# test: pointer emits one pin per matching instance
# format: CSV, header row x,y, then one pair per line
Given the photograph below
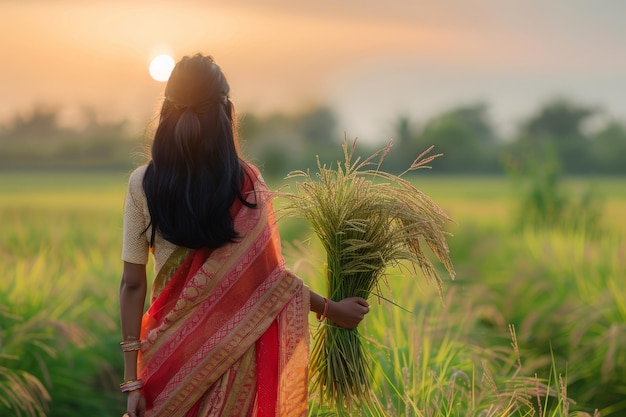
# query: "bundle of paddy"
x,y
366,220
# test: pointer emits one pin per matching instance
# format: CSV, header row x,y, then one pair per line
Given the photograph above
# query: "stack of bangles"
x,y
135,384
323,316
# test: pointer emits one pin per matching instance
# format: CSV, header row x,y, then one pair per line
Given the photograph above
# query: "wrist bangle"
x,y
131,345
323,316
129,386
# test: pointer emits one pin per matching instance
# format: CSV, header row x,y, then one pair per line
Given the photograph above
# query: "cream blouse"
x,y
136,241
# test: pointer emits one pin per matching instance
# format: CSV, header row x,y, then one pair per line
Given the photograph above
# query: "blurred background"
x,y
472,78
526,101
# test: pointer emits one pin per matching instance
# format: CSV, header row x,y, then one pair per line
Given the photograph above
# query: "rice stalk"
x,y
366,220
22,393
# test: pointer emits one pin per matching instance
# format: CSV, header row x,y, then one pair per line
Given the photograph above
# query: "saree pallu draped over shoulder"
x,y
226,332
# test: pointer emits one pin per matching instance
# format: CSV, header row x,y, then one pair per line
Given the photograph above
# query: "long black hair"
x,y
195,173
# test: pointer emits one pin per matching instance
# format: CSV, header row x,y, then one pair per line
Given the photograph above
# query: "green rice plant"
x,y
431,367
59,335
21,393
429,364
591,331
545,203
28,339
366,220
564,293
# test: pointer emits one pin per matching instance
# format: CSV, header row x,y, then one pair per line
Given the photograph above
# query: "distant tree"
x,y
543,203
38,141
96,129
281,142
558,118
406,146
406,133
249,126
318,126
466,138
41,123
608,149
476,117
559,124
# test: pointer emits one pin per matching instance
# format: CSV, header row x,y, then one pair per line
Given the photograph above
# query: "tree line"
x,y
38,141
581,138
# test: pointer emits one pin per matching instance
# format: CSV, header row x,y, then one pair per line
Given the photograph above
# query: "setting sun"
x,y
161,67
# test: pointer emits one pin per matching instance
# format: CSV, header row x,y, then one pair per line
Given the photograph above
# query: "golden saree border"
x,y
210,362
206,343
293,365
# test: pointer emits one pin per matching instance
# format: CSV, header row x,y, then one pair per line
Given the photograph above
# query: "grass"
x,y
563,293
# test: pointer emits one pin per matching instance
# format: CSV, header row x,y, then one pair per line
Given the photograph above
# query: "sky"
x,y
369,60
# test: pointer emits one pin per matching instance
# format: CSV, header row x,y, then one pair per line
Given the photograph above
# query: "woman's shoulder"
x,y
135,180
252,171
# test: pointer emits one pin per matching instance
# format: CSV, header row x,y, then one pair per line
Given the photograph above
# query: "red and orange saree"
x,y
226,331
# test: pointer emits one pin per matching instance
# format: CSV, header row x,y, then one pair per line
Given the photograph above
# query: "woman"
x,y
226,330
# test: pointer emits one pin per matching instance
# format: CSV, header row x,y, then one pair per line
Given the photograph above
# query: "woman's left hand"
x,y
136,404
348,312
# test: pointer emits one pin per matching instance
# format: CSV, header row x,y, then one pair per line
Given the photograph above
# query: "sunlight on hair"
x,y
161,67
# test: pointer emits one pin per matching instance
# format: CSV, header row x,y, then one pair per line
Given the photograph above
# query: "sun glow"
x,y
161,67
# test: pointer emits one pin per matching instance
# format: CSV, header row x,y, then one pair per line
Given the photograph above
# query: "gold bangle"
x,y
131,345
130,381
130,386
323,316
133,349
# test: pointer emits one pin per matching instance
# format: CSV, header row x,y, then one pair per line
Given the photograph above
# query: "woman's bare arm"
x,y
133,290
132,298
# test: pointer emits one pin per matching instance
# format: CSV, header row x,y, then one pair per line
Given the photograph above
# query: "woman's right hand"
x,y
348,312
135,404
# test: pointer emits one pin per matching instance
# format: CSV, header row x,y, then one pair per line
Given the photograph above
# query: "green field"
x,y
533,325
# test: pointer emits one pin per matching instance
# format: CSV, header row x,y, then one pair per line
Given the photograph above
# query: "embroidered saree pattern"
x,y
211,312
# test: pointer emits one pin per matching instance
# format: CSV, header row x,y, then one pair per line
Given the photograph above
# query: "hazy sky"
x,y
370,60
